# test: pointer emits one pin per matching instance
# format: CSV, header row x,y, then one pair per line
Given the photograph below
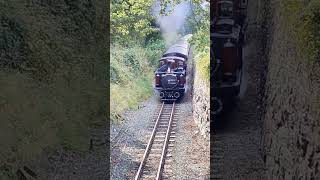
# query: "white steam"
x,y
172,24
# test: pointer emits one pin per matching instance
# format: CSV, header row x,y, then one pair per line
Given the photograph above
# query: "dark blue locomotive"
x,y
170,77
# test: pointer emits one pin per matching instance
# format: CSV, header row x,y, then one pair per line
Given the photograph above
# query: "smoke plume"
x,y
172,24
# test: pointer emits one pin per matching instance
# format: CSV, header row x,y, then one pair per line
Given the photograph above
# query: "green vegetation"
x,y
131,74
52,76
302,19
135,50
203,66
130,21
199,21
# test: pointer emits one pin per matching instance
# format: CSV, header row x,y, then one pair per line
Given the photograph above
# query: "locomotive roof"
x,y
179,50
234,34
225,1
172,57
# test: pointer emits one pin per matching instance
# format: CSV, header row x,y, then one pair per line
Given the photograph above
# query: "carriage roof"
x,y
180,50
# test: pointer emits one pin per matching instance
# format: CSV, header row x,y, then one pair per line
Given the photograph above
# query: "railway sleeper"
x,y
160,136
168,155
160,125
153,165
148,177
158,140
156,150
170,145
159,144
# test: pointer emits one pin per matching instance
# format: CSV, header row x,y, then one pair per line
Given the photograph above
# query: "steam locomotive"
x,y
170,77
227,38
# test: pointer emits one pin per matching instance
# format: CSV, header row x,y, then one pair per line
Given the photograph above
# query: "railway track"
x,y
157,157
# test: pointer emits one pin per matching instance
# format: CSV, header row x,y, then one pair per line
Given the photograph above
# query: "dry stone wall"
x,y
291,137
201,103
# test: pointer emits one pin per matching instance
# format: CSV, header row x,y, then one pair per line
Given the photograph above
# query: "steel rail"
x,y
164,150
146,153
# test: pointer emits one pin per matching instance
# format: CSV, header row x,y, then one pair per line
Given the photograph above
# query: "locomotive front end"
x,y
171,86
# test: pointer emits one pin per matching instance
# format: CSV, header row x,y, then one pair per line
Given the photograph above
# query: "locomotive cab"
x,y
224,9
178,61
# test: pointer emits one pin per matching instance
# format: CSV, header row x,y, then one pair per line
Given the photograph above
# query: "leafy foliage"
x,y
131,74
200,22
203,66
135,49
131,20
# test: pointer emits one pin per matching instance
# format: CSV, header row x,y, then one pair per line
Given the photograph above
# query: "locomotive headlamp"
x,y
182,79
157,79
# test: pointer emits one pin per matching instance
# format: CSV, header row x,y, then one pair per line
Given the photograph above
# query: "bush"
x,y
131,73
154,49
203,66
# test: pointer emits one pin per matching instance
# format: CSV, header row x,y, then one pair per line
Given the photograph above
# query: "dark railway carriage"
x,y
170,77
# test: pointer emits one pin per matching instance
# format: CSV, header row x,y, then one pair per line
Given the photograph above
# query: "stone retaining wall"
x,y
292,119
201,103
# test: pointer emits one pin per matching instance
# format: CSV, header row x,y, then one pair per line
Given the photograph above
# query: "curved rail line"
x,y
152,164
